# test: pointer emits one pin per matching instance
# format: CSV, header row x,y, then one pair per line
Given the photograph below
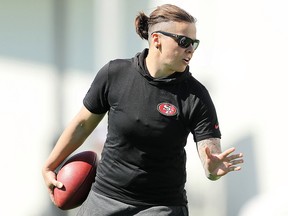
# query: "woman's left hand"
x,y
218,165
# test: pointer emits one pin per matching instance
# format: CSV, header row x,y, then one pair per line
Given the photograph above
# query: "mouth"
x,y
186,60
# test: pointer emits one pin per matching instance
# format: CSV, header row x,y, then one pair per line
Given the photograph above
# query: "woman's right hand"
x,y
72,137
51,182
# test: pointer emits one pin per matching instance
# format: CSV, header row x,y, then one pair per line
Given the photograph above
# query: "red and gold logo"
x,y
167,109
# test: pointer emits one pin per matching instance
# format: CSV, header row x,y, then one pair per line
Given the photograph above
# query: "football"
x,y
77,175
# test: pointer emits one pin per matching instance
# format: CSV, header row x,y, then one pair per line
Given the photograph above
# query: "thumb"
x,y
208,152
57,184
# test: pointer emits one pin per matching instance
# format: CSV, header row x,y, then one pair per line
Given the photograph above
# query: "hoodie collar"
x,y
140,64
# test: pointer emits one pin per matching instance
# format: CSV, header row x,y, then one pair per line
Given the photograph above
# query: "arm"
x,y
215,162
72,137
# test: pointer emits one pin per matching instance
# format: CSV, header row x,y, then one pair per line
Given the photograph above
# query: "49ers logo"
x,y
167,109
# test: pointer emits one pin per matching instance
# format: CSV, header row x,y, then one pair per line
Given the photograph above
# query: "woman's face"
x,y
173,57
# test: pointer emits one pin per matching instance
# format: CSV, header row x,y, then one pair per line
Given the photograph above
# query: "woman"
x,y
153,103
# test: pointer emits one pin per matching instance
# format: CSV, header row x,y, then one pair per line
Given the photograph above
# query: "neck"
x,y
154,67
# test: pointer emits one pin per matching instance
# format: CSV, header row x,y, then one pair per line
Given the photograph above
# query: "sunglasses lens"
x,y
184,42
195,44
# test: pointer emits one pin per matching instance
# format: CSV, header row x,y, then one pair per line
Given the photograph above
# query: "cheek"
x,y
174,57
171,53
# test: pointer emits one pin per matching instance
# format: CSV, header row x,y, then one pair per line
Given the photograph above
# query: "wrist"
x,y
213,177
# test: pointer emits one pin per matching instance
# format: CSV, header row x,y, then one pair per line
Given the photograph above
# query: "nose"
x,y
190,49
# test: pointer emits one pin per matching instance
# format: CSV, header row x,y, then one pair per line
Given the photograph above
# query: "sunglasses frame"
x,y
179,38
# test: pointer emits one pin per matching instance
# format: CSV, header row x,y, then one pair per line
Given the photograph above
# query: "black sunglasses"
x,y
182,41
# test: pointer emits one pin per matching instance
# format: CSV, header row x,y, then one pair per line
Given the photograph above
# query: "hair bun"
x,y
141,25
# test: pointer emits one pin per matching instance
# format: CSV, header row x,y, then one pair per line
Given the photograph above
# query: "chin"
x,y
181,69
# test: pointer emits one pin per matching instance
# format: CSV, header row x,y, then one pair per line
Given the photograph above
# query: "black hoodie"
x,y
144,161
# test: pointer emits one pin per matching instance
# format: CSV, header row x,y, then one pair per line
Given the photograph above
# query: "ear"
x,y
155,40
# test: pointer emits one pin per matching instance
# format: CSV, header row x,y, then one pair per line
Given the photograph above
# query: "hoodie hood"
x,y
140,64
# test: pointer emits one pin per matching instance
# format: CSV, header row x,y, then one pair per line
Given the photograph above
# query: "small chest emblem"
x,y
167,109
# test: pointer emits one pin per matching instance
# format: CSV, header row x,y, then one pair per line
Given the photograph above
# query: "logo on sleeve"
x,y
167,109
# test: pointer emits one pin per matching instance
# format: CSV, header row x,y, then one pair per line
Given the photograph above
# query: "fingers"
x,y
234,168
233,162
55,184
51,182
238,157
235,156
227,152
